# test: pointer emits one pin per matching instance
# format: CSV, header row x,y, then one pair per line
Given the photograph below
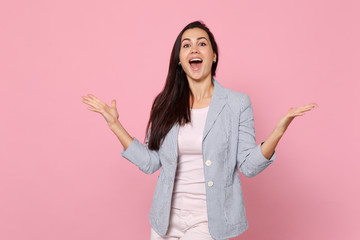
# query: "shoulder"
x,y
237,99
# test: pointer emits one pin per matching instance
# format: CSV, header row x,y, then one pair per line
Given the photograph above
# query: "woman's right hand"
x,y
110,113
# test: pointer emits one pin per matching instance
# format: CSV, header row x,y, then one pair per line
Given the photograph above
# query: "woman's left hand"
x,y
269,145
293,113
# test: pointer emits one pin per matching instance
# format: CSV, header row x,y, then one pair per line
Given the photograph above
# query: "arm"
x,y
147,160
268,147
250,158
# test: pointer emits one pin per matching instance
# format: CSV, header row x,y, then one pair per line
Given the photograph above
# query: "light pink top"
x,y
189,189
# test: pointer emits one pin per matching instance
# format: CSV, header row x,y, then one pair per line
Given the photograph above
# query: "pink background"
x,y
61,173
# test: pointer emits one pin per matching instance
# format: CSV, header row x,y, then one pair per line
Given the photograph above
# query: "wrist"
x,y
114,124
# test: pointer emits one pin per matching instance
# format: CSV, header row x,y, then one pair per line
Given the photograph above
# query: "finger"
x,y
113,103
314,106
93,109
306,108
94,98
88,99
88,102
91,97
303,111
311,105
97,100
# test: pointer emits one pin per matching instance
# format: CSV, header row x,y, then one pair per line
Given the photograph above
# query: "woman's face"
x,y
196,54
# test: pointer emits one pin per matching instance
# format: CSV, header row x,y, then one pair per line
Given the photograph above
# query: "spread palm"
x,y
292,113
110,113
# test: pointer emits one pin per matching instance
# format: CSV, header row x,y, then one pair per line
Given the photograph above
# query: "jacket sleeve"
x,y
145,159
250,159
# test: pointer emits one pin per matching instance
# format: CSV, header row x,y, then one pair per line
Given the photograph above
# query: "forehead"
x,y
194,33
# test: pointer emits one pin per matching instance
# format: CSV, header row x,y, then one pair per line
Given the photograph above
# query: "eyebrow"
x,y
196,39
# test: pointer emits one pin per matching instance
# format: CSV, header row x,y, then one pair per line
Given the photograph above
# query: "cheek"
x,y
182,54
209,63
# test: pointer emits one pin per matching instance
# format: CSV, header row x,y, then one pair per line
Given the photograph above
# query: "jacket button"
x,y
208,163
210,183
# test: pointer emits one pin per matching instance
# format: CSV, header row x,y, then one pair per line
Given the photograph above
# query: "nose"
x,y
194,49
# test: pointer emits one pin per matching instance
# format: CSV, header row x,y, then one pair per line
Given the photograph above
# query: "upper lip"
x,y
195,58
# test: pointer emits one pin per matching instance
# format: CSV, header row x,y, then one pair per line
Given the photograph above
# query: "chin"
x,y
195,78
198,77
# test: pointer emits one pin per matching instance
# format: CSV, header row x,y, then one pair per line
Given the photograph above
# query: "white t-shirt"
x,y
189,189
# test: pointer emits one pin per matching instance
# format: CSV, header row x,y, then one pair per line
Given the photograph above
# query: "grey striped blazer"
x,y
228,143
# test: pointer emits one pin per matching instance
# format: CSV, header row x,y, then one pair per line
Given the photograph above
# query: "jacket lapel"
x,y
217,103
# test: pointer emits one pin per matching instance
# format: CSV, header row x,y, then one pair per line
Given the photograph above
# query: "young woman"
x,y
199,133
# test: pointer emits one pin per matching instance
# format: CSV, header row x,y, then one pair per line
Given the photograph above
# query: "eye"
x,y
186,45
202,44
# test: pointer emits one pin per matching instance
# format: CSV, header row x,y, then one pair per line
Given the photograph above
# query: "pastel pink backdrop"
x,y
61,173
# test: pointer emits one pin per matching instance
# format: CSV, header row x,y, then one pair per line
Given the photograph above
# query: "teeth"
x,y
195,59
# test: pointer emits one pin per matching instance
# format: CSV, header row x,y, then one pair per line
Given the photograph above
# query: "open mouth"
x,y
195,63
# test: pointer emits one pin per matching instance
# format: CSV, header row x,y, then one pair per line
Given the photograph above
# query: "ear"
x,y
214,59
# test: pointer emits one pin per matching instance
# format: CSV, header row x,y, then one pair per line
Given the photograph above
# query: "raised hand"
x,y
292,114
111,116
110,113
269,145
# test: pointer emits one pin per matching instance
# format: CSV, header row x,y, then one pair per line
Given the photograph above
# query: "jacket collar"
x,y
217,103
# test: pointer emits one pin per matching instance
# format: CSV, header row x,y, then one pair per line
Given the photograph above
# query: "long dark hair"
x,y
172,104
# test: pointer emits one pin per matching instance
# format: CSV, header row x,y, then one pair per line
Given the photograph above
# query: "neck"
x,y
201,89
